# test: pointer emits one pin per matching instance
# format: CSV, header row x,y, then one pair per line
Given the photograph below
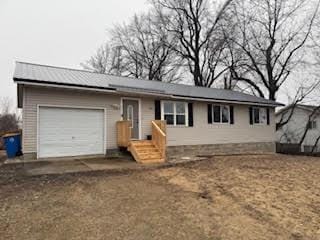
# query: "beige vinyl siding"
x,y
203,133
58,97
200,133
147,115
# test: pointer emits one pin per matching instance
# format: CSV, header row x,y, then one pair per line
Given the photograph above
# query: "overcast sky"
x,y
60,33
56,32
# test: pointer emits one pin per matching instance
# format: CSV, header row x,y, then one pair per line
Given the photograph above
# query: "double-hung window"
x,y
175,113
259,115
221,113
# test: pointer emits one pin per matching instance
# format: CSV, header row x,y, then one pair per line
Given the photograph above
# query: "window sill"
x,y
219,124
259,124
177,126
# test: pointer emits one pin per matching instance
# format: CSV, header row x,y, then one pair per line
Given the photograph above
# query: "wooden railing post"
x,y
123,133
159,137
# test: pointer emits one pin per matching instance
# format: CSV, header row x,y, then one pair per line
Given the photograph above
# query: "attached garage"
x,y
70,131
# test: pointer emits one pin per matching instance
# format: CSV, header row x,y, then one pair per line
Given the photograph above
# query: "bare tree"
x,y
101,61
311,116
315,145
272,37
9,120
302,94
144,51
195,24
5,105
298,119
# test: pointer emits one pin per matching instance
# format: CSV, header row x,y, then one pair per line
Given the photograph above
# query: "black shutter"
x,y
190,114
268,116
231,115
210,113
157,110
250,115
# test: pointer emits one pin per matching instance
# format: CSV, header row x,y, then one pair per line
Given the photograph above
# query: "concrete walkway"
x,y
74,166
35,168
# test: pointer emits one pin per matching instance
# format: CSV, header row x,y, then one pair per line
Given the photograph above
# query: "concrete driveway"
x,y
62,166
73,166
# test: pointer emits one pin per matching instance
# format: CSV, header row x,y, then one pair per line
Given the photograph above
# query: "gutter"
x,y
59,85
227,101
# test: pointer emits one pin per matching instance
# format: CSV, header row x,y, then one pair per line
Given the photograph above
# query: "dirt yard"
x,y
240,197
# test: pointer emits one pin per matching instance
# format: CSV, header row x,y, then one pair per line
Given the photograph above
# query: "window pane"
x,y
180,107
256,115
169,118
216,114
225,114
181,120
130,114
168,107
263,115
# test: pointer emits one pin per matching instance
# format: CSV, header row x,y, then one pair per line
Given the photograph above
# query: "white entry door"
x,y
70,132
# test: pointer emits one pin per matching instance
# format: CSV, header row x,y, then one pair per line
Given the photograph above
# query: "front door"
x,y
130,111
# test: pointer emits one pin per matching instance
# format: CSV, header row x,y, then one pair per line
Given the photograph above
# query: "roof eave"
x,y
114,90
288,107
60,85
276,104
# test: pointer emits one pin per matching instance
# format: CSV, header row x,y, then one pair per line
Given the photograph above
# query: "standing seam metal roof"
x,y
29,72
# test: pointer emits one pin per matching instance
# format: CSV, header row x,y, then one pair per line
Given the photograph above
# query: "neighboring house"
x,y
69,112
293,131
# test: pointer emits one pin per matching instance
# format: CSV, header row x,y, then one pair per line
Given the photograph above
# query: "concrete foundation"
x,y
174,152
111,153
220,149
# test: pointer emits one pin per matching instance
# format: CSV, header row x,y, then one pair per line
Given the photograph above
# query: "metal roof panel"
x,y
66,76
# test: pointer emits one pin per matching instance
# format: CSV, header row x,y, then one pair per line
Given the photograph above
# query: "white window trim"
x,y
175,113
221,106
260,123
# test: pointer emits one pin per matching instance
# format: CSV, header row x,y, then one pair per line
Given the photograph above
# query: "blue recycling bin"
x,y
12,143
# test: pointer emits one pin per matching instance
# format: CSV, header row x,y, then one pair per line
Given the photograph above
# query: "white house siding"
x,y
200,133
294,129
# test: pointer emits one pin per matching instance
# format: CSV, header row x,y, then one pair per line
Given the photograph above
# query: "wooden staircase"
x,y
144,151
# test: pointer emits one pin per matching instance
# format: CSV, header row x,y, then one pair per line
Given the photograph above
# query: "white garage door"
x,y
70,132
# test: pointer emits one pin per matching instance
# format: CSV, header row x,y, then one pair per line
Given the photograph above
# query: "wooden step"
x,y
152,161
145,151
142,144
149,156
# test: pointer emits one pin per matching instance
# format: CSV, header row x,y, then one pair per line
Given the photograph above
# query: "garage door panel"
x,y
70,132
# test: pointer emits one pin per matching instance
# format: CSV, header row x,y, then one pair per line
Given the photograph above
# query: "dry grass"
x,y
239,197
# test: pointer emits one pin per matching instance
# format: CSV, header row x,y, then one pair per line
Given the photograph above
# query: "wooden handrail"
x,y
161,124
159,137
158,128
